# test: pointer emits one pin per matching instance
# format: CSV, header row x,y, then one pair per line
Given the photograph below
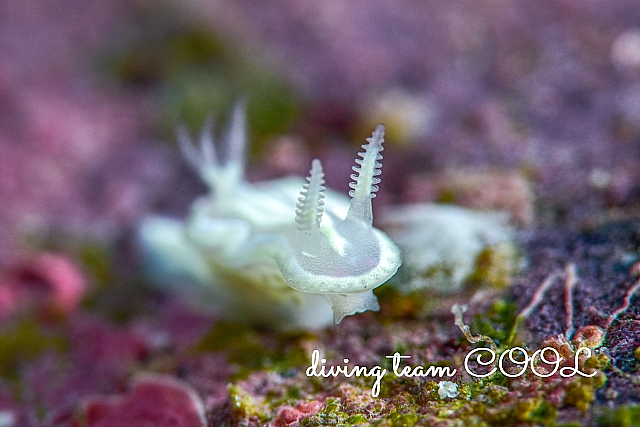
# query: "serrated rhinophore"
x,y
365,180
310,203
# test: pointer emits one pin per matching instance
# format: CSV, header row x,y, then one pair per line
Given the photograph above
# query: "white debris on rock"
x,y
447,389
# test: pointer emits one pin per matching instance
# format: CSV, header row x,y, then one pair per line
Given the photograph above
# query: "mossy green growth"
x,y
599,361
23,341
582,391
396,305
497,322
246,406
624,416
331,415
490,404
399,420
193,72
357,419
492,393
495,266
253,350
97,261
335,414
535,411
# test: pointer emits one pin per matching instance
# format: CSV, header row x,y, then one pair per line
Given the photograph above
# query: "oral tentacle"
x,y
236,137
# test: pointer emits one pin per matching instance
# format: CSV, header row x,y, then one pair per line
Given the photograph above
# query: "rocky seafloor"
x,y
530,109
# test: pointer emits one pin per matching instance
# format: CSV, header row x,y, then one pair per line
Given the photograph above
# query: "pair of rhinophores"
x,y
282,253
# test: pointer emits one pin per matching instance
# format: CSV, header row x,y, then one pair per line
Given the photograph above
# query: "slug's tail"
x,y
221,175
365,180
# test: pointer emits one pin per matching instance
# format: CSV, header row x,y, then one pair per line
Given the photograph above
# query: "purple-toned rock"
x,y
288,416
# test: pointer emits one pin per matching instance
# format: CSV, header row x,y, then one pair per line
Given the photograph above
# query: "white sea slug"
x,y
282,253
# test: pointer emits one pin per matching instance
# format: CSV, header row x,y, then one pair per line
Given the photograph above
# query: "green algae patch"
x,y
599,361
245,405
497,321
624,416
252,350
332,414
582,391
25,341
400,420
495,266
97,261
395,305
535,411
356,420
194,72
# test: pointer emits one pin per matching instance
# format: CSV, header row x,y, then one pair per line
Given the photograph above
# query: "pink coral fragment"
x,y
154,400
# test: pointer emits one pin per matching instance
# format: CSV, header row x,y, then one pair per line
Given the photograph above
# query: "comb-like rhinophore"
x,y
365,180
310,203
310,207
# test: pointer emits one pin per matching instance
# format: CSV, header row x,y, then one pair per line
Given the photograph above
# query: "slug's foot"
x,y
352,303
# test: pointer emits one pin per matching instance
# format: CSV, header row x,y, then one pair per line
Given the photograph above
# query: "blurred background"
x,y
528,107
529,98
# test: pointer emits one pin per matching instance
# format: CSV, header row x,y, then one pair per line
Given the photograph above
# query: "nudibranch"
x,y
280,253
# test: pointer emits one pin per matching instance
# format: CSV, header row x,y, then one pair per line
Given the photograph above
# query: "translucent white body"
x,y
441,243
283,253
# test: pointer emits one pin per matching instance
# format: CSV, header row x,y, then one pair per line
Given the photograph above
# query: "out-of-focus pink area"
x,y
100,357
62,130
52,159
47,282
552,88
497,190
154,400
